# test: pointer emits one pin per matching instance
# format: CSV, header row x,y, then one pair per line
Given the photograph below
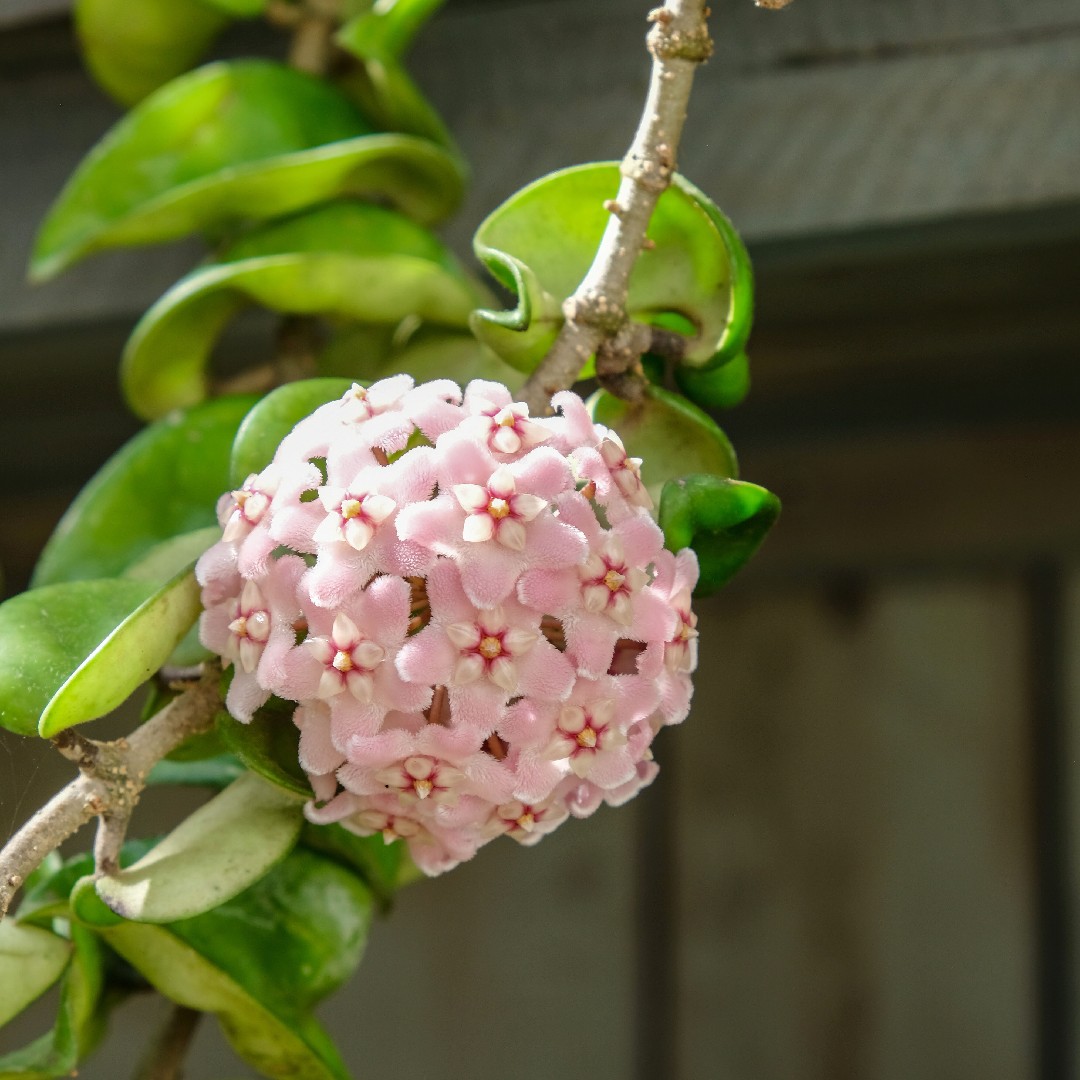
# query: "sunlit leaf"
x,y
164,482
220,850
272,418
240,9
345,260
232,143
126,658
670,435
45,634
388,28
268,745
259,961
723,520
542,240
133,48
79,1022
32,959
716,388
168,558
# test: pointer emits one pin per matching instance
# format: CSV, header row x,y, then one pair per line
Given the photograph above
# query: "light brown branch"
x,y
679,41
109,788
165,1055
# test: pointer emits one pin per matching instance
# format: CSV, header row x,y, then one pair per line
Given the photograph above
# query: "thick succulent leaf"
x,y
127,657
32,959
428,354
716,388
79,1020
258,961
45,634
164,482
269,745
210,857
542,240
213,772
231,143
669,434
272,418
380,864
723,520
165,560
379,38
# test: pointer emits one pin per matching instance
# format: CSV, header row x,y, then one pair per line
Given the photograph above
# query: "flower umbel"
x,y
471,608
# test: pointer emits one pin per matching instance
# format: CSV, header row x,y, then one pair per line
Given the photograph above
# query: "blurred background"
x,y
861,858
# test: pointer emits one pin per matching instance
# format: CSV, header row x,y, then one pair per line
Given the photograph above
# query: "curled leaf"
x,y
716,388
163,483
541,241
722,519
228,144
668,433
220,850
126,658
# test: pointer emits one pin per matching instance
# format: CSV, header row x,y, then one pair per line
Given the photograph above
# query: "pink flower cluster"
x,y
471,607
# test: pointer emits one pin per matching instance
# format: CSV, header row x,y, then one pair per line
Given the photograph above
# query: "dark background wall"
x,y
859,862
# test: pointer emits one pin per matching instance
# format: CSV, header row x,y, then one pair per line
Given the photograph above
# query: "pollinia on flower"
x,y
472,609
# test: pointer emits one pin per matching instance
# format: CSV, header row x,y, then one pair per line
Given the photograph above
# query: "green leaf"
x,y
272,418
132,49
232,143
723,520
79,1021
32,959
217,852
45,634
126,658
669,434
378,38
214,772
259,961
541,242
269,745
167,559
346,260
240,9
380,864
716,388
164,482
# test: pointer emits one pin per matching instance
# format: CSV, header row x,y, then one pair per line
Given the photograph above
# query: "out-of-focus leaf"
x,y
133,48
542,240
126,658
164,482
378,38
239,9
259,961
427,354
272,418
32,959
168,558
716,388
669,434
45,634
345,260
210,857
79,1021
723,520
232,143
269,745
214,772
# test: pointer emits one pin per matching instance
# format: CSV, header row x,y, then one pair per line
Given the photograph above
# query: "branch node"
x,y
667,43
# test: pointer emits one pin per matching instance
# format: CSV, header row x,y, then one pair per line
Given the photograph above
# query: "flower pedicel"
x,y
471,608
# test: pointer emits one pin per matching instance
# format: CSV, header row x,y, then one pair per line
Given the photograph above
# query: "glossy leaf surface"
x,y
46,633
259,961
723,520
542,240
231,143
126,658
32,959
220,850
269,745
716,388
166,481
670,435
345,260
133,48
272,418
78,1025
381,865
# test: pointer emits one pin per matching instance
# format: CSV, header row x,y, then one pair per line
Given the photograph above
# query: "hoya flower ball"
x,y
471,608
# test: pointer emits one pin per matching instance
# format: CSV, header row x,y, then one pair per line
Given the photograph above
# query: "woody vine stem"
x,y
113,774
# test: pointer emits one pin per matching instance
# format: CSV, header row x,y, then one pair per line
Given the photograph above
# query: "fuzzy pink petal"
x,y
489,573
393,693
544,472
318,754
543,672
641,539
549,591
590,643
245,696
463,461
216,572
478,707
653,618
483,390
553,544
435,525
350,718
427,659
